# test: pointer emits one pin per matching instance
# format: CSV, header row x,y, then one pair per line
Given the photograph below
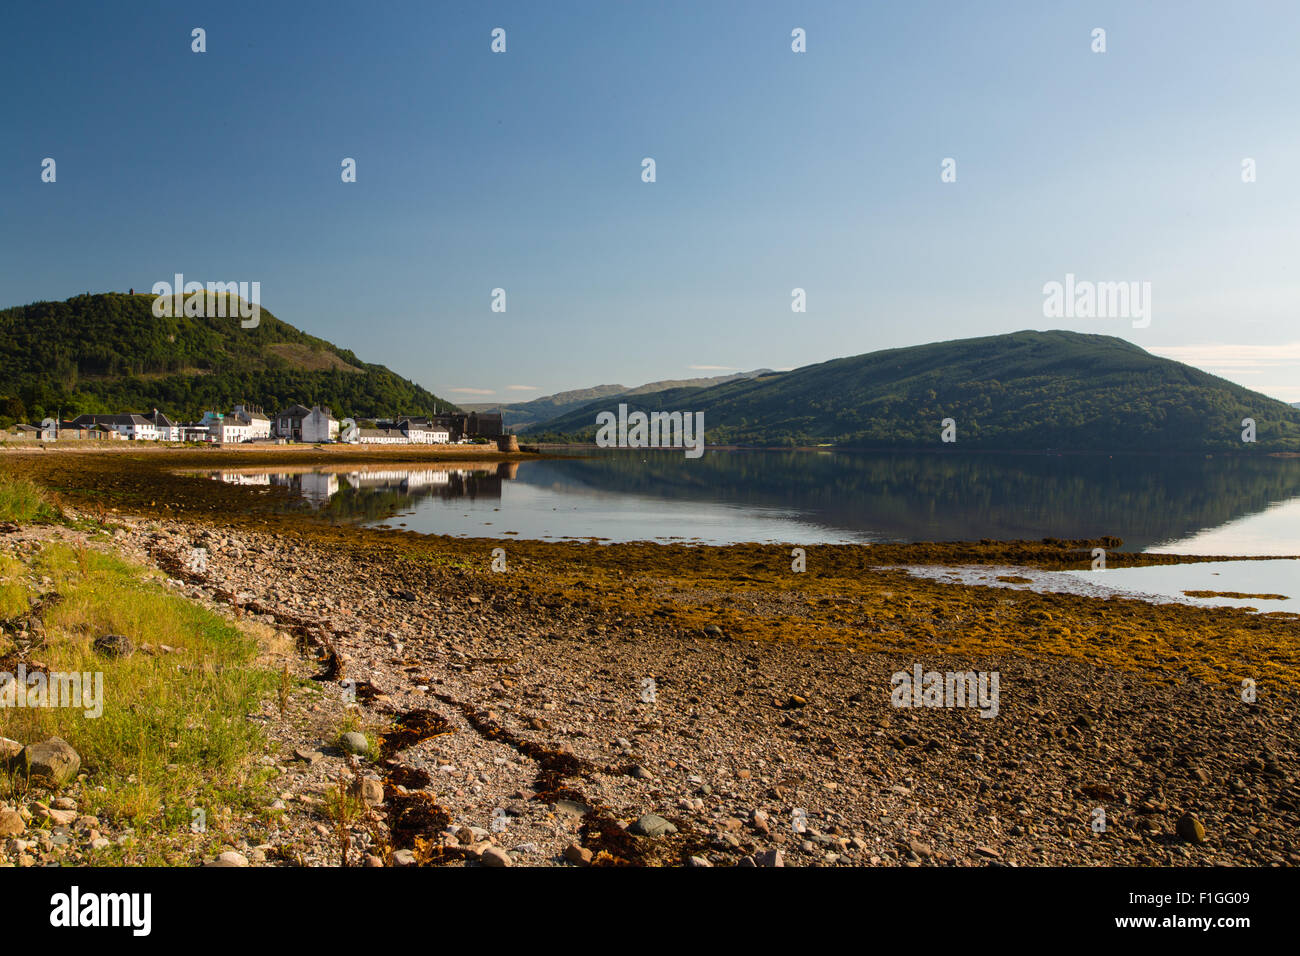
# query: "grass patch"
x,y
173,733
15,600
24,502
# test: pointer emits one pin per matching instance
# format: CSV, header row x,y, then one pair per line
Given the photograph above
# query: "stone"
x,y
62,818
577,855
923,850
368,790
11,824
307,756
495,856
113,645
652,825
9,749
770,858
230,858
1191,829
52,762
403,858
570,808
354,743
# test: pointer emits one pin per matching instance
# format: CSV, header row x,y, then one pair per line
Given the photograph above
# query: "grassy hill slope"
x,y
1023,391
108,353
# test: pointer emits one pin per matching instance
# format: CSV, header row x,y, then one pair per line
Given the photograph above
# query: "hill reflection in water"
x,y
1224,504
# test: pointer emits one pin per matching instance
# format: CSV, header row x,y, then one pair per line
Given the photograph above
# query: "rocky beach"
x,y
675,705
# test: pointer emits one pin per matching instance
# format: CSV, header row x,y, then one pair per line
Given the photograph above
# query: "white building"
x,y
259,426
167,429
299,423
225,429
419,431
134,427
382,436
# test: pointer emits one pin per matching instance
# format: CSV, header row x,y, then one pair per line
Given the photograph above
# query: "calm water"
x,y
1274,584
1187,505
1279,579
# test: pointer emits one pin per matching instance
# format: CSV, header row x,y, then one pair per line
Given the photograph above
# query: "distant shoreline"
x,y
545,447
252,453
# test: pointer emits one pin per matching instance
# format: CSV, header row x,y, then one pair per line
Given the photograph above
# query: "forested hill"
x,y
109,353
1030,391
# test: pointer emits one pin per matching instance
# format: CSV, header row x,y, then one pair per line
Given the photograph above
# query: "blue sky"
x,y
775,170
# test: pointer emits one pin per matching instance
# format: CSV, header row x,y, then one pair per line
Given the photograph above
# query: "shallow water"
x,y
1163,584
1189,505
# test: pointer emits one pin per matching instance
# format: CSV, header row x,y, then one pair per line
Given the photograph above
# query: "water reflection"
x,y
361,494
1248,505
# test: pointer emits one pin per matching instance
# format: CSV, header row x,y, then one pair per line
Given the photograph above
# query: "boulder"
x,y
368,790
577,855
52,762
495,856
354,743
652,825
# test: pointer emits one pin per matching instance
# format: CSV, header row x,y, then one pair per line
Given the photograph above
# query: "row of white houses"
x,y
246,423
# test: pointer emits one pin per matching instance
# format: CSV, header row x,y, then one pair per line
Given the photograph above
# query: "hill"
x,y
540,410
109,353
1027,391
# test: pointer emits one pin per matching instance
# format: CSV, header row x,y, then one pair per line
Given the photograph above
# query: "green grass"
x,y
24,502
352,722
173,733
14,595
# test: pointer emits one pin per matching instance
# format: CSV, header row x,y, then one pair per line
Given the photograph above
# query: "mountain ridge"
x,y
543,409
1035,391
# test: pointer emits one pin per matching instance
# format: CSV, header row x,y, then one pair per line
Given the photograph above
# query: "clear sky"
x,y
775,170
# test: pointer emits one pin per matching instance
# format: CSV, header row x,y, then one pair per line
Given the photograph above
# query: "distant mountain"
x,y
1028,391
109,353
520,415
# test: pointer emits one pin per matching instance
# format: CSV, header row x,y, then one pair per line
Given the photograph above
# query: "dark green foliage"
x,y
1027,391
109,353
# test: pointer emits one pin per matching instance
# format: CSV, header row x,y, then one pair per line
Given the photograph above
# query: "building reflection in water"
x,y
321,488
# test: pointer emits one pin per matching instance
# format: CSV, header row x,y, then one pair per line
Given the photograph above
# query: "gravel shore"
x,y
683,706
